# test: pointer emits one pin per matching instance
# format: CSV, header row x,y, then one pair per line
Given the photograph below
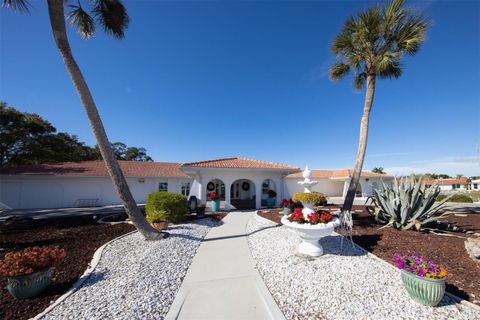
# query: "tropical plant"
x,y
174,204
378,170
30,260
406,205
154,216
113,17
316,198
371,45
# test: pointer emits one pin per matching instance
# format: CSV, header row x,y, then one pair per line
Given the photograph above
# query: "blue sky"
x,y
199,80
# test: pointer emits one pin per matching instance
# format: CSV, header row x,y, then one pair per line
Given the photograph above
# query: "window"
x,y
185,190
163,186
475,186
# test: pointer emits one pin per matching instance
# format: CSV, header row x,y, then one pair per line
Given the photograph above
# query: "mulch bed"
x,y
80,244
446,250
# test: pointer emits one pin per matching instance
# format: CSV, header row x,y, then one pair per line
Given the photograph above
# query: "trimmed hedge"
x,y
173,204
456,198
316,198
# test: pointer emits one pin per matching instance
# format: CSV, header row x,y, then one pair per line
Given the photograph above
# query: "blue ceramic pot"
x,y
215,205
29,285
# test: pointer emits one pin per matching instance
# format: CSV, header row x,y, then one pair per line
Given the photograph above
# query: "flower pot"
x,y
423,290
270,202
29,285
311,234
286,210
215,205
160,225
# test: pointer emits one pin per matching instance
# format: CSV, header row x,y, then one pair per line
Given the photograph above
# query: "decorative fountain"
x,y
309,233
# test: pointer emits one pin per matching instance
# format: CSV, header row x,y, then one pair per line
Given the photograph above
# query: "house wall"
x,y
330,188
26,192
337,187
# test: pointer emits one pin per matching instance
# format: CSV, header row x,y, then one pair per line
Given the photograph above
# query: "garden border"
x,y
91,267
451,295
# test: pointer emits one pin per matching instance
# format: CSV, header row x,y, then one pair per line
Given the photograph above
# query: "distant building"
x,y
460,184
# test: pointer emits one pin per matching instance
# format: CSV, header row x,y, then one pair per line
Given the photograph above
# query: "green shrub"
x,y
174,204
313,197
154,216
406,205
456,198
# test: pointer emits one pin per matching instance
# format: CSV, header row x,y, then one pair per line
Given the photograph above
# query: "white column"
x,y
258,194
228,200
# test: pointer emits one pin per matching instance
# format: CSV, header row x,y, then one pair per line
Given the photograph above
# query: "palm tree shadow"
x,y
333,245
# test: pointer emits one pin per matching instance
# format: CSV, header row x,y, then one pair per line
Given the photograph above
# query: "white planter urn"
x,y
311,234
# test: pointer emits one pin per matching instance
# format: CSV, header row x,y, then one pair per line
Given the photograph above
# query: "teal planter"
x,y
426,291
215,205
286,211
29,285
270,202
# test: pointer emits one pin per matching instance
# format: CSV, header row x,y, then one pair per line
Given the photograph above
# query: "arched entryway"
x,y
217,186
267,184
243,194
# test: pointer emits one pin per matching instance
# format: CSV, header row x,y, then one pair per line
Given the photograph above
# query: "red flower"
x,y
213,196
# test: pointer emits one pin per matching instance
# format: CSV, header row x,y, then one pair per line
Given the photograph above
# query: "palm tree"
x,y
112,16
371,44
378,170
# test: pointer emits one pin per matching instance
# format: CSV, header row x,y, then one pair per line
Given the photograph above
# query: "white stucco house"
x,y
459,184
241,182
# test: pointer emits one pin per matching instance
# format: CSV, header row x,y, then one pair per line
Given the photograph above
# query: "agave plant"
x,y
406,205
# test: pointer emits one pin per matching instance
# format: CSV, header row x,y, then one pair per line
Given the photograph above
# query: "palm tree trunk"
x,y
57,21
362,144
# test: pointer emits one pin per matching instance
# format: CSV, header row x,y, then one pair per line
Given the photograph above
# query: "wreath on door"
x,y
210,186
245,186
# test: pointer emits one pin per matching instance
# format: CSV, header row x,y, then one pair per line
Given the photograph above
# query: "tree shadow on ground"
x,y
333,245
244,235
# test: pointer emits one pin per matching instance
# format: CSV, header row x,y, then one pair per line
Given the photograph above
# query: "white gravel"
x,y
136,279
346,284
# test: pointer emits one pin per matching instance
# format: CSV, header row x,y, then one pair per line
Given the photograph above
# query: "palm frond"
x,y
391,69
82,20
359,80
338,71
17,5
343,43
112,15
411,34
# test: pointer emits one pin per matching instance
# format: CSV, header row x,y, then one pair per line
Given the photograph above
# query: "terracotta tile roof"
x,y
342,173
98,169
239,163
448,181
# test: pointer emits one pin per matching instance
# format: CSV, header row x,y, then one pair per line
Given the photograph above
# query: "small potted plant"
x,y
215,201
201,211
158,219
423,280
287,206
271,198
30,270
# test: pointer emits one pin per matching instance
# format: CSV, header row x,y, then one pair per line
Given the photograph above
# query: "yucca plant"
x,y
406,204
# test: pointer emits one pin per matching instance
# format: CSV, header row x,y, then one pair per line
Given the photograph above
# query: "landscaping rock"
x,y
136,279
341,284
472,245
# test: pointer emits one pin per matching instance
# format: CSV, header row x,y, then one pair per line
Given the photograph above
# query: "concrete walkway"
x,y
222,282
